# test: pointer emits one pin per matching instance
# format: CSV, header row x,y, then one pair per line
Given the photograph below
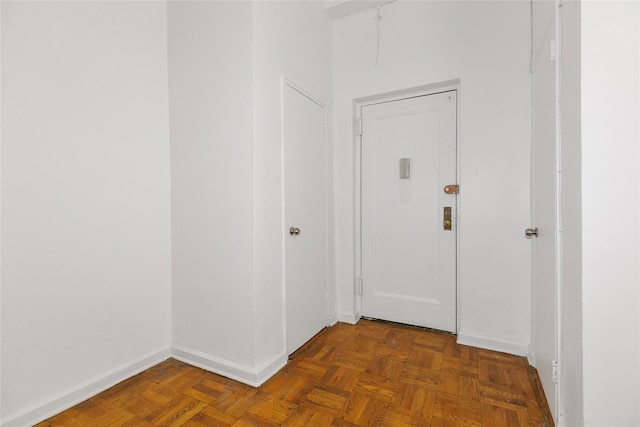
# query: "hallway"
x,y
143,212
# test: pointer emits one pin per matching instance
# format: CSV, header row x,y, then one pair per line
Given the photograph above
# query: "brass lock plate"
x,y
446,223
452,189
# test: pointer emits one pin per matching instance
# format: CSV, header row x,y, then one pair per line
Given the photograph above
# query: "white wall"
x,y
85,200
226,63
211,96
0,213
292,40
610,212
486,46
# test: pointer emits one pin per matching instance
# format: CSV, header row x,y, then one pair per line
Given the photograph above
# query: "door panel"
x,y
408,258
305,195
544,202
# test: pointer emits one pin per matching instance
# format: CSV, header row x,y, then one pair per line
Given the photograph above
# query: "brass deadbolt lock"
x,y
446,223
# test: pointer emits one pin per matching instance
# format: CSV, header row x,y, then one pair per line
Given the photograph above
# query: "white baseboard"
x,y
561,422
351,318
532,359
243,373
493,344
70,397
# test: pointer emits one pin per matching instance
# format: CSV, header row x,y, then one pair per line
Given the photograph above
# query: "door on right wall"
x,y
544,201
408,220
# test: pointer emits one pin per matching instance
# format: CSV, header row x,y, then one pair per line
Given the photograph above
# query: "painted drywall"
x,y
571,378
610,212
85,200
340,9
486,46
211,97
0,213
292,40
226,163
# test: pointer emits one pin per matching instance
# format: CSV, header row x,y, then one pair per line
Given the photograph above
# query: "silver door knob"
x,y
531,232
294,231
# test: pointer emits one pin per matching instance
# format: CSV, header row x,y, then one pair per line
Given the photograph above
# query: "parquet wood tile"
x,y
369,374
458,409
341,378
304,416
412,399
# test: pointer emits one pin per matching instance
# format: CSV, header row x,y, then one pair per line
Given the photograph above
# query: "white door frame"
x,y
283,86
358,104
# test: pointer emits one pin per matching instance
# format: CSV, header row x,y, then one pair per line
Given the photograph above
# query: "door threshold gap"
x,y
408,326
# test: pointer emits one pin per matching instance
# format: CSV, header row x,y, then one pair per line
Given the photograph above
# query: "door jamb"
x,y
358,104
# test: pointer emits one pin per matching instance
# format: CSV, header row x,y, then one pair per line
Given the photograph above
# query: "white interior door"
x,y
544,203
408,257
305,217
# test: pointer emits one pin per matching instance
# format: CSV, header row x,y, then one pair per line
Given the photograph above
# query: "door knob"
x,y
531,232
294,231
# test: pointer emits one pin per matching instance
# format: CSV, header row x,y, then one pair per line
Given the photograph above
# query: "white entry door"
x,y
305,217
408,250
